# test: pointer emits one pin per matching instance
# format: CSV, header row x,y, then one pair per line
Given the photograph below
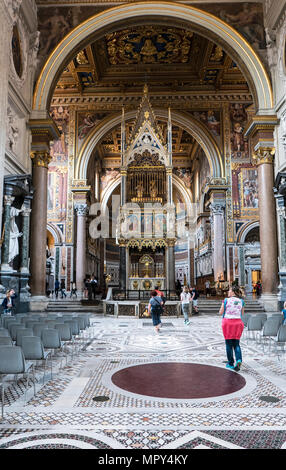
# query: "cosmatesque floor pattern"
x,y
83,407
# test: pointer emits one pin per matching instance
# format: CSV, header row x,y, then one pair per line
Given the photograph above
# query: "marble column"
x,y
38,239
81,211
217,211
171,265
123,195
264,158
8,201
122,267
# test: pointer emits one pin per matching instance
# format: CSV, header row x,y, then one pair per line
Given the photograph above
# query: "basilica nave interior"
x,y
144,144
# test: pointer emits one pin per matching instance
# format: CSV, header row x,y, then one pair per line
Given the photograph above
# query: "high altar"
x,y
146,221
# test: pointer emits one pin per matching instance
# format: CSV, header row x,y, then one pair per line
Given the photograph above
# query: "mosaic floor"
x,y
81,407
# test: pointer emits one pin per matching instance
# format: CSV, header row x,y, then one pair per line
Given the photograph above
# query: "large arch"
x,y
187,122
208,24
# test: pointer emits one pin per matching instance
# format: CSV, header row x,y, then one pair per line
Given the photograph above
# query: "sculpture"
x,y
14,234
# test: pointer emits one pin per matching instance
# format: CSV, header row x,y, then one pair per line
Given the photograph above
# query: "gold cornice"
x,y
260,123
44,127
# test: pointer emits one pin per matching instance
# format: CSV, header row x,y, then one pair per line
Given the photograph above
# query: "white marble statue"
x,y
14,234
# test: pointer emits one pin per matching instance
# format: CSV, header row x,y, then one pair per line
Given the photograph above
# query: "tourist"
x,y
63,288
155,309
284,313
207,287
232,326
9,302
93,283
185,303
73,289
57,287
195,296
178,287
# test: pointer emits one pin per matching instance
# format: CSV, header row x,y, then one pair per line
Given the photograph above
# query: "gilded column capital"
x,y
41,158
264,155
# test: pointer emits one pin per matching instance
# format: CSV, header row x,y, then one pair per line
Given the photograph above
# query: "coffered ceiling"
x,y
165,58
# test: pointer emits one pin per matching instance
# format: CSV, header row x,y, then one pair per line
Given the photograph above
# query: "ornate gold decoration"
x,y
264,155
41,159
148,45
144,243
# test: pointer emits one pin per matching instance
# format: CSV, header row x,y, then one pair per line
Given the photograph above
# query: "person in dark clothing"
x,y
93,283
155,309
73,289
9,302
63,288
195,295
57,287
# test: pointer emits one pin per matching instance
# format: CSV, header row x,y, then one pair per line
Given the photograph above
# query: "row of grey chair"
x,y
265,328
22,342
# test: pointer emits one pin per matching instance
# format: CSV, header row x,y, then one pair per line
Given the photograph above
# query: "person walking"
x,y
63,288
208,288
232,326
73,289
185,304
9,302
57,288
194,296
155,309
93,283
284,313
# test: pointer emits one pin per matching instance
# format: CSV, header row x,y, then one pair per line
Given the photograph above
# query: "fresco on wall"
x,y
247,18
107,176
211,118
245,191
239,144
56,23
86,121
185,176
58,168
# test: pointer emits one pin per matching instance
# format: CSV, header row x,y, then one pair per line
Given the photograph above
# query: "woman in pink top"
x,y
232,326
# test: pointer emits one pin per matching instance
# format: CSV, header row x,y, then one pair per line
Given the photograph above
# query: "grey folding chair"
x,y
22,332
280,339
270,330
6,341
66,337
263,317
8,319
30,323
33,350
254,325
13,327
75,331
277,317
51,340
37,329
4,332
12,362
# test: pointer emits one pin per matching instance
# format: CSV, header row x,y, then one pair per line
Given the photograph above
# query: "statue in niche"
x,y
14,234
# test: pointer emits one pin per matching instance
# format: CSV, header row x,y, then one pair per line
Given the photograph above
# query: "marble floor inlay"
x,y
127,387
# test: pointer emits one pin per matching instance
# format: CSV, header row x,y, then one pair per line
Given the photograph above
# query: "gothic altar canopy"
x,y
146,220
